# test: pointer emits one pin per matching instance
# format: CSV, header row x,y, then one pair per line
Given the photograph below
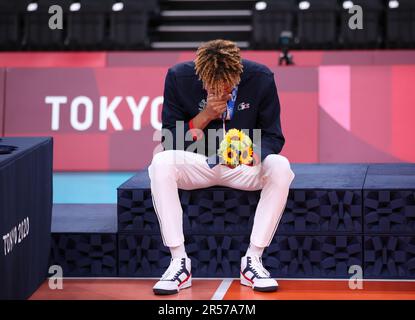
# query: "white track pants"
x,y
171,170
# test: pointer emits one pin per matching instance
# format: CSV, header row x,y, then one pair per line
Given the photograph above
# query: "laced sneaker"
x,y
253,274
176,277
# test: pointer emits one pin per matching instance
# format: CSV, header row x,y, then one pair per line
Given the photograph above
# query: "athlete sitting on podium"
x,y
219,91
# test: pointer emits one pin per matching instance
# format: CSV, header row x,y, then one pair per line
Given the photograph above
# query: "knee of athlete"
x,y
279,168
161,165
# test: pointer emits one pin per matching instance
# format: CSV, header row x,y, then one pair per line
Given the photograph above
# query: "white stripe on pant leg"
x,y
159,219
222,289
155,208
277,224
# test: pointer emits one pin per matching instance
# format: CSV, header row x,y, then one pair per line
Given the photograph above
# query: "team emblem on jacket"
x,y
243,106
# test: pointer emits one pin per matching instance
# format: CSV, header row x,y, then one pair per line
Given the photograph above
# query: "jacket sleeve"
x,y
272,138
173,117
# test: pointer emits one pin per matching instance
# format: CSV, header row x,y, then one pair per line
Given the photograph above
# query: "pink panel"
x,y
371,107
52,59
168,58
296,79
403,112
369,137
334,97
130,150
393,57
307,58
38,84
339,145
269,58
186,56
145,59
81,152
366,112
354,57
92,148
299,121
298,93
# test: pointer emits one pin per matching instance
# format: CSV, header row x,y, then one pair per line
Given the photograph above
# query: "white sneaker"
x,y
176,277
254,275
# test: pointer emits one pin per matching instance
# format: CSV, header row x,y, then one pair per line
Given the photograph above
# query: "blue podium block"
x,y
337,216
389,198
328,256
323,198
220,255
324,210
212,256
84,240
25,214
315,211
212,210
85,255
389,256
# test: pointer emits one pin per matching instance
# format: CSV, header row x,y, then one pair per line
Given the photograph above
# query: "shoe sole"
x,y
162,292
260,289
165,292
266,289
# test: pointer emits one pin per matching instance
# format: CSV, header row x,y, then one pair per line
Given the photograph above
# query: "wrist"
x,y
206,116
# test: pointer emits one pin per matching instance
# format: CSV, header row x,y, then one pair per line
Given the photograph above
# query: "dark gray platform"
x,y
308,176
84,239
337,215
390,176
84,218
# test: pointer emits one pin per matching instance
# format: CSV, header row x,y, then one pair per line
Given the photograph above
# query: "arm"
x,y
200,121
173,112
214,110
272,138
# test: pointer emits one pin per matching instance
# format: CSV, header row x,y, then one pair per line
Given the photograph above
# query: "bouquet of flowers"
x,y
236,148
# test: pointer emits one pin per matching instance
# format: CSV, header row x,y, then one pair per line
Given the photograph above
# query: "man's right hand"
x,y
214,109
216,106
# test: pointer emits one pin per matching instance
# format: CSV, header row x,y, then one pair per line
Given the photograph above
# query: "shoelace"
x,y
171,273
256,265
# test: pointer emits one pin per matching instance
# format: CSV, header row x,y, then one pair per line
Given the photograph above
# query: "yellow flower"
x,y
242,136
246,141
246,156
232,135
236,148
230,156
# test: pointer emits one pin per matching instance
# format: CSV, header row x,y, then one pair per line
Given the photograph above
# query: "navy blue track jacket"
x,y
257,106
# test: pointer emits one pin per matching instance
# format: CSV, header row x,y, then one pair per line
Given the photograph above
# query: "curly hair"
x,y
218,63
